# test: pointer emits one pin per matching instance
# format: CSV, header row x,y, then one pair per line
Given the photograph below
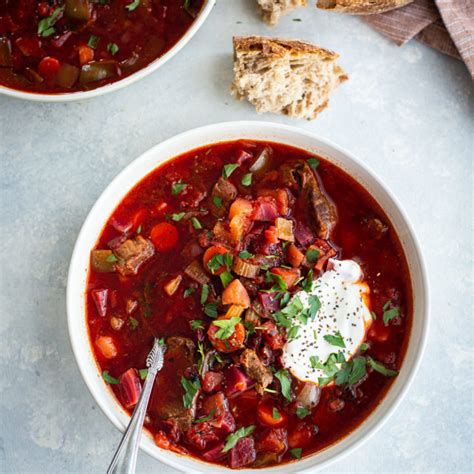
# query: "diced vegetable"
x,y
215,454
103,260
100,297
271,235
240,207
309,395
236,294
290,276
236,381
195,271
263,160
107,346
230,344
129,388
67,75
49,67
171,287
212,381
300,436
264,209
245,269
284,229
116,323
270,415
86,54
238,227
294,256
77,9
269,301
235,311
271,335
164,236
243,453
274,440
209,259
98,71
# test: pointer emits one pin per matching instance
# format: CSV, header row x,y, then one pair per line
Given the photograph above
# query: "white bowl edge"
x,y
215,133
126,81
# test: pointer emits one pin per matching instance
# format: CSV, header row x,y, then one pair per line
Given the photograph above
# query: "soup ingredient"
x,y
289,77
340,323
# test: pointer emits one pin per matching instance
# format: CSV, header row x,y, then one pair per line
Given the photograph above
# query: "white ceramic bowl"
x,y
177,145
153,66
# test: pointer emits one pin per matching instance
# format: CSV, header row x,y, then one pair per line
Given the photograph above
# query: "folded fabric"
x,y
447,25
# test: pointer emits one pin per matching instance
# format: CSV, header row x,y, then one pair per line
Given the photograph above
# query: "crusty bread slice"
x,y
289,77
361,7
272,10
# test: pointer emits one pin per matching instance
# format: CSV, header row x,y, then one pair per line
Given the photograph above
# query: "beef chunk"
x,y
224,191
299,177
261,375
132,254
166,401
243,453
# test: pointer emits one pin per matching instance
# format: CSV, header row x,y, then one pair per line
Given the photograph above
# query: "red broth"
x,y
62,46
362,232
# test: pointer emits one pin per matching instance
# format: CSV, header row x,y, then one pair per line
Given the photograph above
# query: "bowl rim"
x,y
126,81
176,461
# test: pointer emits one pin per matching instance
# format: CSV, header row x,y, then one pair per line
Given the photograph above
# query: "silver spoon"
x,y
125,458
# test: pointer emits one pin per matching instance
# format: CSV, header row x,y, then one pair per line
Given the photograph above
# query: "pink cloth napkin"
x,y
447,25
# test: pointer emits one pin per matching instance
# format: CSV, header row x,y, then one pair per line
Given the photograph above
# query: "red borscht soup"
x,y
279,288
57,46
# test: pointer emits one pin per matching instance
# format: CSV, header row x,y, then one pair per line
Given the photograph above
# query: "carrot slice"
x,y
235,293
164,236
107,346
209,254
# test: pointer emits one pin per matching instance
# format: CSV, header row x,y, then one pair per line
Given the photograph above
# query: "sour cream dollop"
x,y
344,315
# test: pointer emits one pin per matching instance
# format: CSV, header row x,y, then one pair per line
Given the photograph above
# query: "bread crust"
x,y
285,76
279,48
361,7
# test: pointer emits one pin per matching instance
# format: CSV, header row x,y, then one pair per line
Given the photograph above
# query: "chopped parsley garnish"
x,y
226,327
191,387
316,363
276,414
220,260
196,324
177,188
313,162
229,169
226,277
389,313
380,368
245,254
293,333
204,293
363,347
93,41
232,439
46,25
285,381
177,216
143,373
314,306
132,6
296,453
210,309
302,412
132,323
335,340
139,229
111,258
195,222
202,356
246,179
188,292
312,255
112,48
109,379
206,418
217,201
374,316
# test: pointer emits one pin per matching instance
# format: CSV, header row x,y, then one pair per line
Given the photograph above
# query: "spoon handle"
x,y
125,458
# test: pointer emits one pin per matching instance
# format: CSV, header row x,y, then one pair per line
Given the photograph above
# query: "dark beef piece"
x,y
225,191
256,370
167,400
191,250
299,177
243,453
132,254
